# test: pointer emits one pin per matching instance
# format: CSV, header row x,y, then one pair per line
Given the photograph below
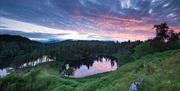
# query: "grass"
x,y
160,71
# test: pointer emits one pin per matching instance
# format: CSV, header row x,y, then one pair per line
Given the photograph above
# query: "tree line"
x,y
16,50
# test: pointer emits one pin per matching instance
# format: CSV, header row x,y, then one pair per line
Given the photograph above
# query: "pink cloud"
x,y
120,28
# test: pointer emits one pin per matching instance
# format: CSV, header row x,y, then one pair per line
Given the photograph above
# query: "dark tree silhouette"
x,y
165,38
162,31
173,36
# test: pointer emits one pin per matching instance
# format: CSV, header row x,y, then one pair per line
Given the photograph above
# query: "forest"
x,y
16,50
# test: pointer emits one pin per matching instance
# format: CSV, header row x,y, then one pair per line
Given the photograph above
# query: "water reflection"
x,y
90,67
44,59
40,60
4,72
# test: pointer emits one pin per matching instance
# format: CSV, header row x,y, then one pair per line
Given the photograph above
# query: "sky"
x,y
120,20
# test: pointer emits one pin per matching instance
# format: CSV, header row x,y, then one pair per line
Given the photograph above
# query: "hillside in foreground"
x,y
160,72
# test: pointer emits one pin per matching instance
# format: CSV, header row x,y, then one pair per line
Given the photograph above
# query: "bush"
x,y
142,50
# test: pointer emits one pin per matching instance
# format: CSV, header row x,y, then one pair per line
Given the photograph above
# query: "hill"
x,y
14,49
10,38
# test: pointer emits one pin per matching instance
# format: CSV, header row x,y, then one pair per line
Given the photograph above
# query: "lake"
x,y
44,59
5,71
41,60
79,69
74,69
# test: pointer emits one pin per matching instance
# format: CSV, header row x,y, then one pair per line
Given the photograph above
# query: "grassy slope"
x,y
160,71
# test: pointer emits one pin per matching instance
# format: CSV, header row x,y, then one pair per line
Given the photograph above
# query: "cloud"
x,y
24,27
9,26
131,4
88,19
27,27
109,22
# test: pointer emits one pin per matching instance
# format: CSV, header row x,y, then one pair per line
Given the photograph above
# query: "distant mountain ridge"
x,y
49,41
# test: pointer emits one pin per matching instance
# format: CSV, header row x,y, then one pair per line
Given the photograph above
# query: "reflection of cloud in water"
x,y
44,59
104,65
40,60
4,72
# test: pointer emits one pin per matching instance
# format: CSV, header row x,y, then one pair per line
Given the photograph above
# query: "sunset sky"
x,y
87,19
